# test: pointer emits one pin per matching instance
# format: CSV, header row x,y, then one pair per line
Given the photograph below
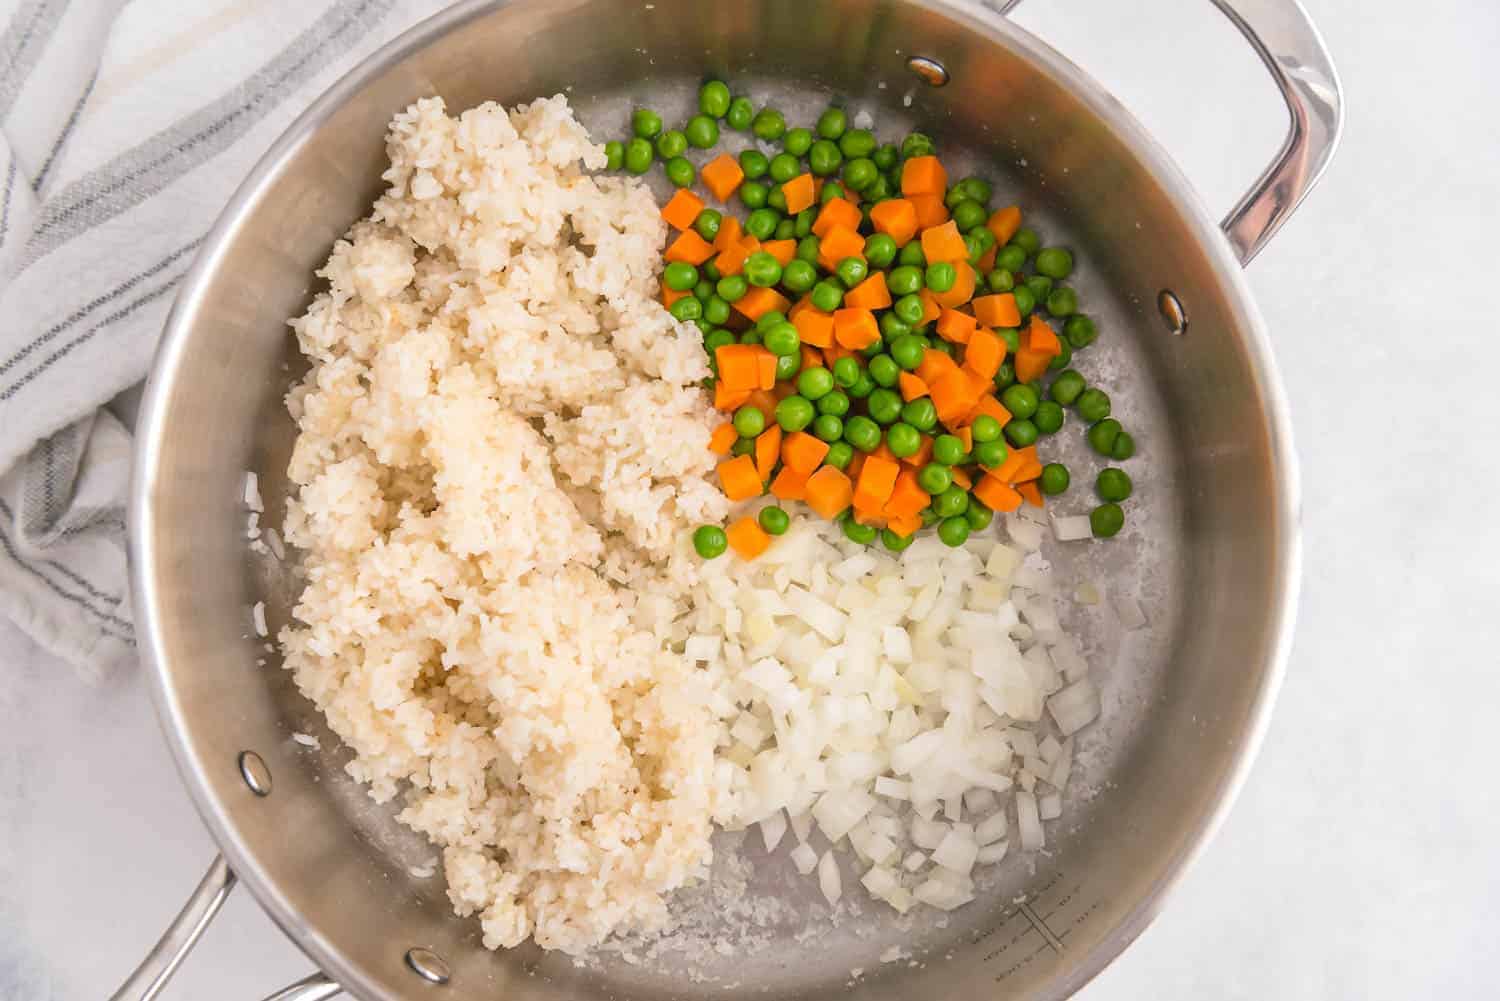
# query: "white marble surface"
x,y
1360,862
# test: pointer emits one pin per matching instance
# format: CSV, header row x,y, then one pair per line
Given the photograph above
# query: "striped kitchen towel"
x,y
124,127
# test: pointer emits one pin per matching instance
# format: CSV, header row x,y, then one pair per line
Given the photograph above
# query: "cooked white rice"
x,y
502,447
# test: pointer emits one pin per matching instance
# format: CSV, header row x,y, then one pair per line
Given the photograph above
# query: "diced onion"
x,y
829,880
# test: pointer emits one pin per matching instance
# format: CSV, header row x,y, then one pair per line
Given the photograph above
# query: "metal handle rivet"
x,y
929,71
255,773
427,964
1172,311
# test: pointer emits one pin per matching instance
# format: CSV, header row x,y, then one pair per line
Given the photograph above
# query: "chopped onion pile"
x,y
919,711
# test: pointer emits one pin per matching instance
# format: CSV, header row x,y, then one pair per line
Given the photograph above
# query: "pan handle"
x,y
183,933
1292,49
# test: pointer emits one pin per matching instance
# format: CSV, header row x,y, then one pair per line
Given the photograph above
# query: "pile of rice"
x,y
502,448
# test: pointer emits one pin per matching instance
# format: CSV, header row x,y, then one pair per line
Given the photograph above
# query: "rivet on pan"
x,y
255,773
427,964
929,71
1172,311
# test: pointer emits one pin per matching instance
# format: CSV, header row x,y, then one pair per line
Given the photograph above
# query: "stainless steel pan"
x,y
1213,550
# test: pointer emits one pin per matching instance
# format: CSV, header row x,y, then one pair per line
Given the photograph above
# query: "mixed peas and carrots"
x,y
887,348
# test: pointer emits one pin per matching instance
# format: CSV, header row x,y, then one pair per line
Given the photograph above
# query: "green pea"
x,y
862,387
711,271
1123,448
824,158
808,247
762,269
1005,375
904,280
1025,300
713,99
1021,433
860,173
754,163
716,340
1000,280
787,366
680,276
895,543
753,194
948,449
639,156
907,351
645,123
934,478
815,383
832,123
990,454
978,516
835,403
670,144
977,189
1020,400
798,141
878,347
798,275
862,433
880,251
1027,240
1049,417
1093,405
979,241
784,167
751,336
1062,301
892,326
969,214
1106,520
831,190
732,288
762,223
776,199
951,502
740,112
885,371
886,156
710,541
749,421
929,517
920,413
614,155
884,405
911,256
828,427
1067,387
774,520
1055,479
1080,331
851,271
786,229
1040,286
1010,257
703,290
783,339
1103,434
953,197
685,309
716,310
878,191
855,532
941,276
909,309
1113,484
794,413
805,221
827,296
840,453
846,371
680,172
985,428
768,125
917,144
903,440
1054,262
857,143
743,446
707,224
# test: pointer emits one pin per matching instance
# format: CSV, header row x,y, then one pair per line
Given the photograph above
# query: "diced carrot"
x,y
799,193
1031,469
905,526
963,287
722,175
867,515
856,463
759,301
723,438
669,296
747,538
729,399
877,478
839,242
1004,223
767,451
997,310
855,328
1032,494
802,452
896,218
912,386
789,484
763,401
931,307
739,365
682,209
965,434
835,351
1040,337
801,304
1016,461
729,233
836,212
766,371
883,451
930,210
989,406
829,492
955,326
782,250
923,175
731,260
811,357
984,353
870,293
935,365
995,494
922,456
907,498
986,262
1031,365
944,243
952,397
815,326
689,247
961,478
739,478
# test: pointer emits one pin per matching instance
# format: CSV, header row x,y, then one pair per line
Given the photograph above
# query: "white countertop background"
x,y
1363,858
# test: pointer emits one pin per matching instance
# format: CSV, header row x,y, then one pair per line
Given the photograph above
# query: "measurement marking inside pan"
x,y
1041,927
